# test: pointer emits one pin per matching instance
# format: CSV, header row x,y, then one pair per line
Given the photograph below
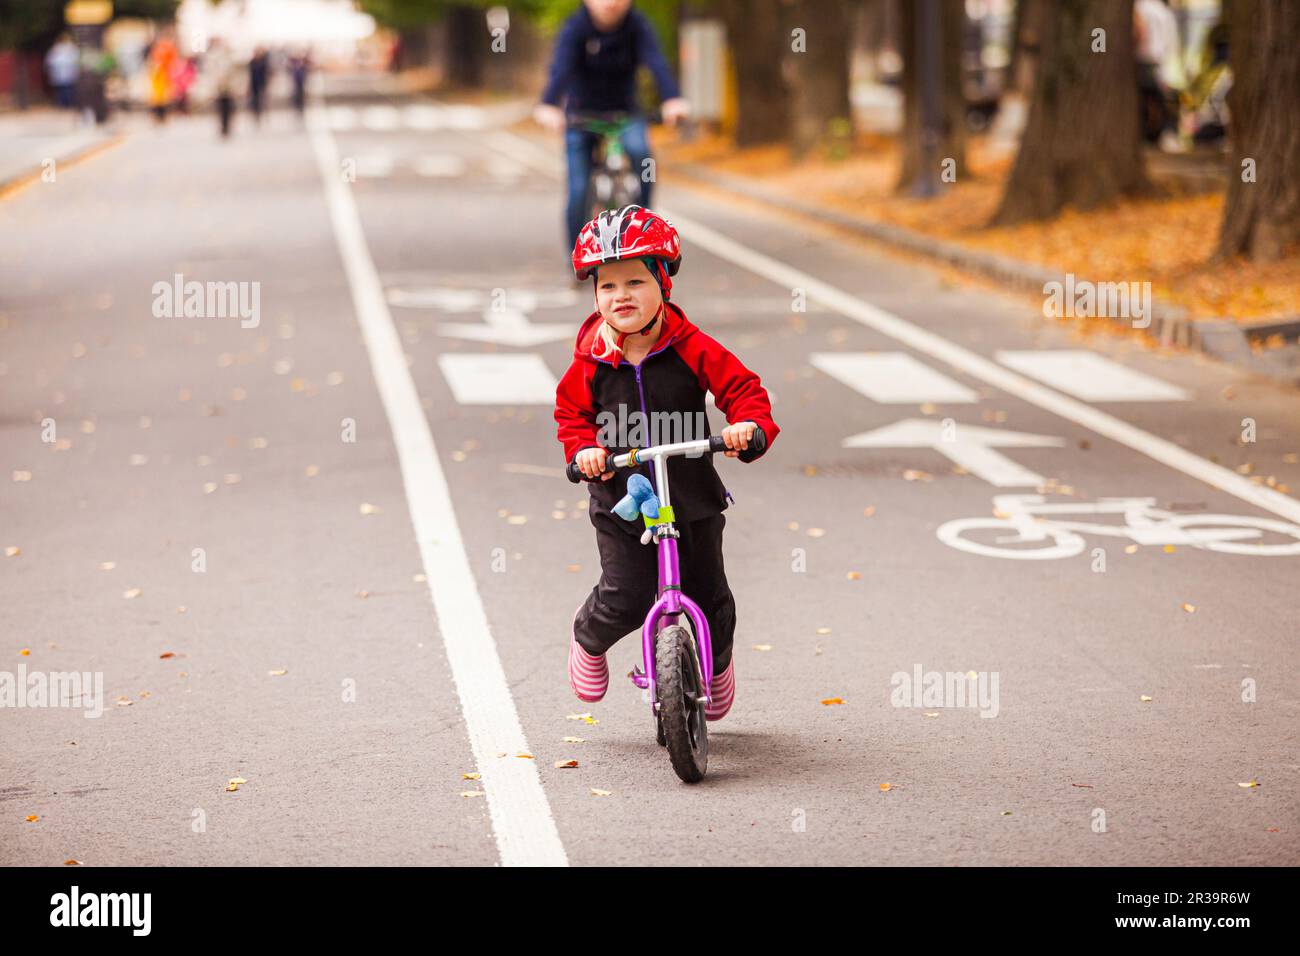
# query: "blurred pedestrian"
x,y
62,68
220,66
259,74
1158,56
183,73
162,63
299,68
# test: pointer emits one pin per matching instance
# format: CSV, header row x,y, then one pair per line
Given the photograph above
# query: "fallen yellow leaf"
x,y
471,793
368,509
1145,699
886,787
13,551
833,700
238,780
573,740
277,673
1189,608
33,818
600,793
475,775
1249,786
25,652
564,764
525,755
762,647
132,593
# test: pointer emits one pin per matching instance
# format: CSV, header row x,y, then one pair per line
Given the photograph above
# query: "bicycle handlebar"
x,y
638,456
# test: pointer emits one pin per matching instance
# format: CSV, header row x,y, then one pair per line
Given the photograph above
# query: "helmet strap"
x,y
645,329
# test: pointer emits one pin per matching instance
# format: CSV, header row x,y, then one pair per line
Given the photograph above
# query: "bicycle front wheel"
x,y
678,687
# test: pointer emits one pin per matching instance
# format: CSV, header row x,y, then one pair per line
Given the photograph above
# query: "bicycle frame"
x,y
609,158
670,602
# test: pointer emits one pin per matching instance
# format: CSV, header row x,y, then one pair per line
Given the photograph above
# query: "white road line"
x,y
936,346
374,165
525,831
381,119
1089,376
342,118
422,116
436,165
892,378
486,379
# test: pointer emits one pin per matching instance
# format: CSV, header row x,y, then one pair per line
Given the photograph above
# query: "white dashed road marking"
x,y
1089,376
892,378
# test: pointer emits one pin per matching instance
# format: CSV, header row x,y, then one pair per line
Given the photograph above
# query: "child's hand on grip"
x,y
591,462
737,437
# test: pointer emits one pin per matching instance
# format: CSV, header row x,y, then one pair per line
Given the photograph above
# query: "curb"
x,y
1219,338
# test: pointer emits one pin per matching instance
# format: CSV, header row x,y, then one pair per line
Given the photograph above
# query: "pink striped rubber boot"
x,y
588,674
721,693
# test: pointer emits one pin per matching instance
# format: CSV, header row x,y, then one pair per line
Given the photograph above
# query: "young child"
x,y
639,353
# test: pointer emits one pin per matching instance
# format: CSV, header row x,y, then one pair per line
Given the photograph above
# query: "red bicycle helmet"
x,y
626,233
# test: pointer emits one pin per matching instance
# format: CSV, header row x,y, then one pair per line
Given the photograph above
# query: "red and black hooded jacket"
x,y
684,365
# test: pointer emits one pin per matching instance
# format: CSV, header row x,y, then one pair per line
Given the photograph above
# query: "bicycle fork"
x,y
666,611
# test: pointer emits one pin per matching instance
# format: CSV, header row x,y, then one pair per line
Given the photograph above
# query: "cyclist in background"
x,y
594,69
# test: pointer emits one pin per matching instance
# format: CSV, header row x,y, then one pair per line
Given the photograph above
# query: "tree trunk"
x,y
1081,144
468,41
1262,217
819,101
758,42
952,139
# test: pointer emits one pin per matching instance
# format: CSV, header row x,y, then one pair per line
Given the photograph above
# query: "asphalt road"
x,y
380,600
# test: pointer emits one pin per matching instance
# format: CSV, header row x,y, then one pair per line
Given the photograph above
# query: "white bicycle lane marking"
x,y
1030,519
525,830
937,347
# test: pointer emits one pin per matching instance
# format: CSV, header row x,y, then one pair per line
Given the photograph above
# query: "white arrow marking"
x,y
507,327
969,446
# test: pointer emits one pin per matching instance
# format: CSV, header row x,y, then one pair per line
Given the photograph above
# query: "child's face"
x,y
627,294
607,14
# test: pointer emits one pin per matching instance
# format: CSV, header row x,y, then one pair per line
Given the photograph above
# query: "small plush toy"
x,y
640,499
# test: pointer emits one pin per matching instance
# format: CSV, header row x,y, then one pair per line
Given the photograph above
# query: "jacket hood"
x,y
676,328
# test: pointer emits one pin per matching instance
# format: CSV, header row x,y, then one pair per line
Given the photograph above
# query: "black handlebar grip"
x,y
573,473
757,445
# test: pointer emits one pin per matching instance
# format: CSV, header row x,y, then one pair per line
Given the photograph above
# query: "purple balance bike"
x,y
677,653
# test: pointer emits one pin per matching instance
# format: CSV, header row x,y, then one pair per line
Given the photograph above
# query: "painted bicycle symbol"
x,y
1025,527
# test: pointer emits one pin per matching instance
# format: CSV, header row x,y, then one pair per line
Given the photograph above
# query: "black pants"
x,y
629,580
225,108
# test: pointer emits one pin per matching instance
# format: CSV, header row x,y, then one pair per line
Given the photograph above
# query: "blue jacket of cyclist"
x,y
594,68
